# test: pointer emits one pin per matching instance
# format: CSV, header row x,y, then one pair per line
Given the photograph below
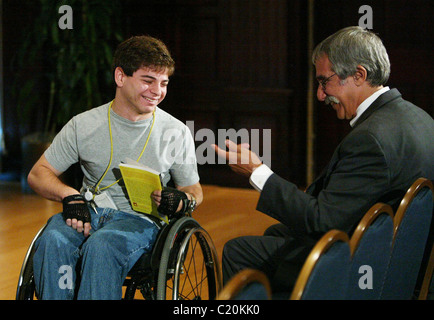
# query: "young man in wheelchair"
x,y
98,244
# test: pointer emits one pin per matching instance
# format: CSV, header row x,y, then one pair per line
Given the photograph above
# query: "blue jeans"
x,y
100,262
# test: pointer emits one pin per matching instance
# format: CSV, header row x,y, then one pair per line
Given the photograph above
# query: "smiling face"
x,y
341,94
139,94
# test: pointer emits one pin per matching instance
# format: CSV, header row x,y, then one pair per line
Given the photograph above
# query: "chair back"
x,y
427,286
248,284
324,275
370,244
411,227
426,280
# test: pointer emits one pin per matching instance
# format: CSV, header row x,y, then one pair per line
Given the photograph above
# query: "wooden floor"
x,y
226,213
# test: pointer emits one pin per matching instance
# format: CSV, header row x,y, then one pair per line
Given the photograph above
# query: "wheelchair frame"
x,y
166,272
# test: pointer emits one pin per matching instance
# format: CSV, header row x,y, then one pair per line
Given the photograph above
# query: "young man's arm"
x,y
44,180
195,190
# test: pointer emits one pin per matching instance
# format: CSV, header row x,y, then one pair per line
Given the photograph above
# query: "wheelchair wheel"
x,y
26,282
189,268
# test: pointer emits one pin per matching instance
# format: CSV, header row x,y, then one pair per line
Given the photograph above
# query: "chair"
x,y
325,273
411,228
183,265
428,281
370,244
248,284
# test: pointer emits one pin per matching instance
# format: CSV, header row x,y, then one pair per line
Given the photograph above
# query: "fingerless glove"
x,y
79,211
170,198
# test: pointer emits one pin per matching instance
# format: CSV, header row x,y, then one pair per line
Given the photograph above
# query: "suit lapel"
x,y
386,97
319,182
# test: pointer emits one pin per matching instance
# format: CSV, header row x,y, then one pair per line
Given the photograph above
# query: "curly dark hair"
x,y
143,51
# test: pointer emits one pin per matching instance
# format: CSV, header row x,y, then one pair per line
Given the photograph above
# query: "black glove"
x,y
79,211
170,198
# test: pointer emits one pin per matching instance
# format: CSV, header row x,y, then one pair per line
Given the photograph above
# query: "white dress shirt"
x,y
365,104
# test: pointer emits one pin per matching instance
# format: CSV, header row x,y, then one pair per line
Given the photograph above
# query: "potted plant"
x,y
62,72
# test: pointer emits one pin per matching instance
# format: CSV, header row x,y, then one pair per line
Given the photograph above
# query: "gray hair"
x,y
353,46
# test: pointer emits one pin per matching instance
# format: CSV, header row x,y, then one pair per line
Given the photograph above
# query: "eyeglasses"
x,y
323,83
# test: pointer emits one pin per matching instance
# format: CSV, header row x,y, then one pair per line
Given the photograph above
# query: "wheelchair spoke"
x,y
190,270
194,283
195,275
192,260
197,296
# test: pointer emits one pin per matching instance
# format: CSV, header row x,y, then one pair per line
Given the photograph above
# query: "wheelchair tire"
x,y
26,282
189,268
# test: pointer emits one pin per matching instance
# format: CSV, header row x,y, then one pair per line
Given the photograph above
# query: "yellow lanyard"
x,y
111,151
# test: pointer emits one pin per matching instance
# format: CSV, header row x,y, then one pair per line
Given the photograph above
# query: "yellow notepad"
x,y
140,182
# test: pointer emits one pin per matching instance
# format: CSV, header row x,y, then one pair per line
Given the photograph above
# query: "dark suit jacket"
x,y
390,146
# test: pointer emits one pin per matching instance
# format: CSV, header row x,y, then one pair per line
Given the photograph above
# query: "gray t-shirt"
x,y
85,138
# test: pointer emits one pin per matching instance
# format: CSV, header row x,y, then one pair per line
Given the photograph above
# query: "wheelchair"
x,y
183,265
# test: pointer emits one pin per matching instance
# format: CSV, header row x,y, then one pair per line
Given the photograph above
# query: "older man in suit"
x,y
389,147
